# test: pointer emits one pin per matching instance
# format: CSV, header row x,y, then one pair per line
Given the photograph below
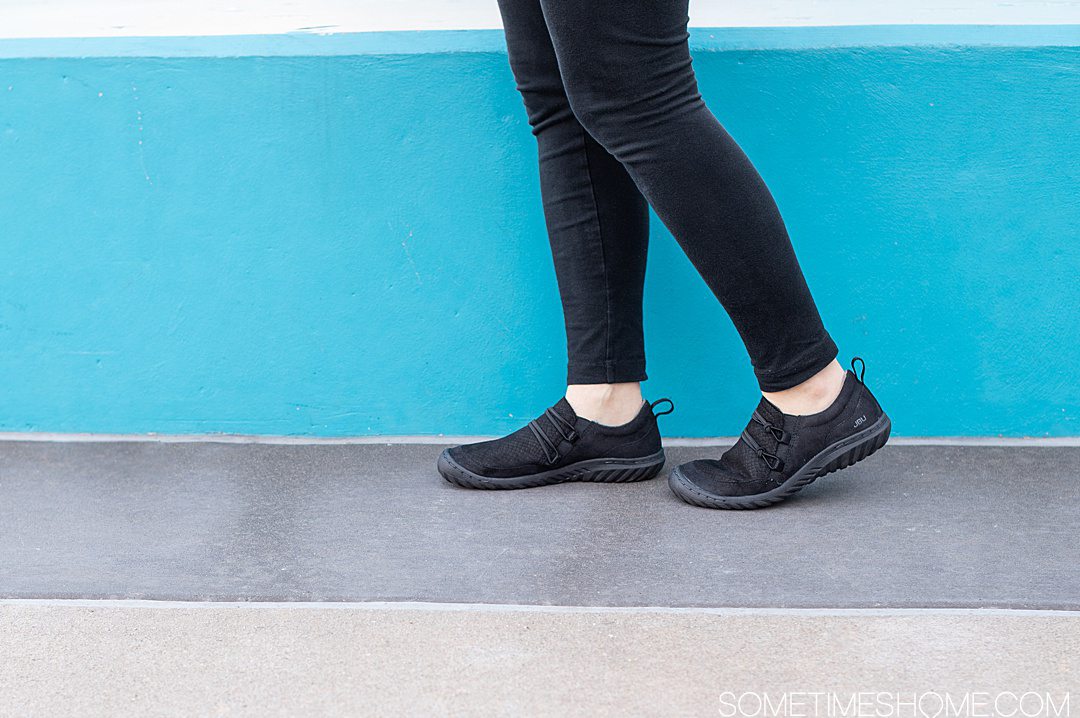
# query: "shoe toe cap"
x,y
463,456
712,477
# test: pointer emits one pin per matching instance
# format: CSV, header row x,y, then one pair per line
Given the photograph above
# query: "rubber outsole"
x,y
840,455
607,471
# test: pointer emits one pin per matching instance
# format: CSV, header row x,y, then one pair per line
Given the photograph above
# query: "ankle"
x,y
814,395
610,404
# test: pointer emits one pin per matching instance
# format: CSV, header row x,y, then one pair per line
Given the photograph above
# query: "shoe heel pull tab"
x,y
653,406
861,372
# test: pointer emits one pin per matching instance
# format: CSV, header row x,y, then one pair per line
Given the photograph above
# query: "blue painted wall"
x,y
344,243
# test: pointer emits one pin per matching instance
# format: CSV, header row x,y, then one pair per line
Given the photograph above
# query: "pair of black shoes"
x,y
776,455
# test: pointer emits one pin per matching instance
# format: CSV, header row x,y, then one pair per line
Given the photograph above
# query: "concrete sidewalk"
x,y
913,526
399,660
369,586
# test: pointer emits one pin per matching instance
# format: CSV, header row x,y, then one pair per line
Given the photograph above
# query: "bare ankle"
x,y
812,396
610,404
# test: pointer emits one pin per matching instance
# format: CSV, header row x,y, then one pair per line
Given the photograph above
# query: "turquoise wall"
x,y
337,236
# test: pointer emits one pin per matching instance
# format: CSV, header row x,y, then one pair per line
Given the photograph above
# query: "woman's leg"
x,y
627,73
598,226
628,77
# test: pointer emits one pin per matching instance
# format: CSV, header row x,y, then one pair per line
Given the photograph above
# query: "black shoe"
x,y
557,447
778,454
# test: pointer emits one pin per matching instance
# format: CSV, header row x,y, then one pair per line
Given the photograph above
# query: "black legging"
x,y
614,104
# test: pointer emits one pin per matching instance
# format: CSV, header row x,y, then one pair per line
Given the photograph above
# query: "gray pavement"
x,y
913,526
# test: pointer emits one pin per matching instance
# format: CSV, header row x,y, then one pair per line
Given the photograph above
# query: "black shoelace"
x,y
771,460
551,448
782,437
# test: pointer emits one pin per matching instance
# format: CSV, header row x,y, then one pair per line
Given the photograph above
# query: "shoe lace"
x,y
778,433
562,426
774,462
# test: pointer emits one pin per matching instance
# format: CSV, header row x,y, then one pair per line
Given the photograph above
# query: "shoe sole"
x,y
607,471
837,456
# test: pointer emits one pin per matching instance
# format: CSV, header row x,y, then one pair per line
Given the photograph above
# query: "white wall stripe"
x,y
134,18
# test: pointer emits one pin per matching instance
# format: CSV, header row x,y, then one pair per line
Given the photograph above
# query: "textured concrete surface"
x,y
377,661
918,526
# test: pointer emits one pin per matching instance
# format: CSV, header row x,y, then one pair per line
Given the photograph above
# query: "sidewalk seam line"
x,y
533,608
